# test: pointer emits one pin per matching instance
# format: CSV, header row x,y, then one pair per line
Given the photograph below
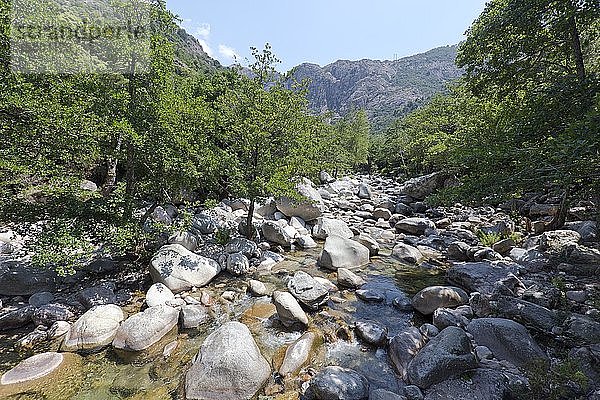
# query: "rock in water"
x,y
430,299
94,329
407,253
336,383
508,340
297,354
403,348
229,366
308,291
179,269
340,252
289,311
347,278
142,330
34,368
446,355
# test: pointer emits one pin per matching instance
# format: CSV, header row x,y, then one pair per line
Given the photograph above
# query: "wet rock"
x,y
221,370
159,294
403,347
326,227
370,296
193,315
445,317
237,264
481,276
179,269
257,288
17,318
381,394
96,296
407,253
307,290
371,333
415,226
582,329
48,314
41,299
446,355
349,279
508,340
369,243
275,232
403,303
289,311
336,383
186,239
36,367
20,280
434,297
95,329
297,354
309,209
142,330
339,252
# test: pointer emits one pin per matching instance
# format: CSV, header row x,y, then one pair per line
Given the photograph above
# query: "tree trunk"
x,y
560,218
576,46
249,225
111,175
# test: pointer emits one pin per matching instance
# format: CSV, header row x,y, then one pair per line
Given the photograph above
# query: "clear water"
x,y
104,376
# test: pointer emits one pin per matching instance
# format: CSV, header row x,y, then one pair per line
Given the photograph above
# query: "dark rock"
x,y
403,347
48,314
529,314
336,383
370,296
96,296
508,340
445,317
244,246
17,318
204,224
582,329
446,355
40,299
481,276
482,384
381,394
415,226
20,280
422,186
371,333
434,297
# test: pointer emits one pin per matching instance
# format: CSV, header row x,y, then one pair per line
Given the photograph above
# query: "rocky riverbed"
x,y
361,292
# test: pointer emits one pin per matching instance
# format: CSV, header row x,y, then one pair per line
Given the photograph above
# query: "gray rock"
x,y
297,354
274,232
193,315
531,259
17,318
95,329
179,269
587,229
41,299
326,227
422,186
434,297
339,252
530,314
555,242
325,178
306,242
288,310
20,280
96,296
186,239
244,246
407,253
349,279
309,209
582,329
370,296
143,329
371,333
229,365
204,224
459,251
364,191
445,317
48,314
238,264
58,329
413,392
382,213
307,290
403,347
403,303
447,354
415,226
369,243
381,394
481,276
257,288
483,384
504,246
159,294
336,383
508,340
428,331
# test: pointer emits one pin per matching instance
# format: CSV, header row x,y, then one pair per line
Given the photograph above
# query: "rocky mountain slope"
x,y
385,89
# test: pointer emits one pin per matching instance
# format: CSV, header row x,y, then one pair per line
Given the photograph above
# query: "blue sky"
x,y
327,30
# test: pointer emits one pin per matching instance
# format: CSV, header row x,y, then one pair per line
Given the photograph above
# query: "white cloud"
x,y
228,53
206,47
203,31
